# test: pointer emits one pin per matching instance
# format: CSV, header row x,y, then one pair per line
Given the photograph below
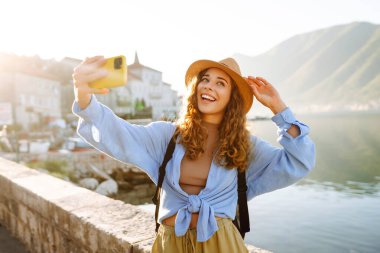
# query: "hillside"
x,y
329,70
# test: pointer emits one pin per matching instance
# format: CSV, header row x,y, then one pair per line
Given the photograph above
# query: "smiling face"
x,y
213,94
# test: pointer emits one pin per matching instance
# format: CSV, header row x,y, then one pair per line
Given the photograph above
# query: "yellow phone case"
x,y
117,73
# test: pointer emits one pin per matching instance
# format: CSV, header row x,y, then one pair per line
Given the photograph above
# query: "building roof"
x,y
133,76
71,60
31,71
33,66
137,64
136,58
37,73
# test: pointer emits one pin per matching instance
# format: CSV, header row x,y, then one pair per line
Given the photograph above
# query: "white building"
x,y
67,65
144,84
34,95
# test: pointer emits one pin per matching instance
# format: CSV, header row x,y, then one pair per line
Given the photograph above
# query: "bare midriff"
x,y
194,173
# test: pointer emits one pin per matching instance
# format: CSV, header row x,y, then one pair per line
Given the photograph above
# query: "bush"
x,y
55,167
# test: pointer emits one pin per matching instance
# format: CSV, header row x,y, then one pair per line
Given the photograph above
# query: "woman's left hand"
x,y
266,94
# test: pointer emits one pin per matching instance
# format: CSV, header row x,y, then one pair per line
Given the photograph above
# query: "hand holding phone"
x,y
117,73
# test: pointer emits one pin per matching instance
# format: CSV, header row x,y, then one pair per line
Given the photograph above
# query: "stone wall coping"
x,y
85,217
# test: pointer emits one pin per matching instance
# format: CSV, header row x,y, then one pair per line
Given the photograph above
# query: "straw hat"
x,y
229,66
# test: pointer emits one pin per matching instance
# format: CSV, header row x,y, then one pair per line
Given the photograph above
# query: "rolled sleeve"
x,y
284,120
143,146
273,168
90,113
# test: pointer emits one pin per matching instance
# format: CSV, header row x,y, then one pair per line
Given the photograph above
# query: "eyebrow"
x,y
207,75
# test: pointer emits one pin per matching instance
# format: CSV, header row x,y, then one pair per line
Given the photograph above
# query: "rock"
x,y
89,183
99,173
142,187
81,169
124,185
107,188
138,178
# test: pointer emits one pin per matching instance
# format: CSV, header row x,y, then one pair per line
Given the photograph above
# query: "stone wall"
x,y
50,215
135,187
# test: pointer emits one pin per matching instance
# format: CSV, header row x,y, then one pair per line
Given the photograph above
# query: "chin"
x,y
204,109
208,110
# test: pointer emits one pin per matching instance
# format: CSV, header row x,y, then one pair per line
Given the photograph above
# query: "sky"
x,y
168,35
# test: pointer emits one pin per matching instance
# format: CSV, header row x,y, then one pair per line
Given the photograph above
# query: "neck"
x,y
212,119
210,125
212,136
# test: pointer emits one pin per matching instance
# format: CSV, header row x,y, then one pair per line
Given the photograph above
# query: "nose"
x,y
209,85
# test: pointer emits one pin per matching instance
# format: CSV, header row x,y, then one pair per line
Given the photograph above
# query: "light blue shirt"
x,y
271,167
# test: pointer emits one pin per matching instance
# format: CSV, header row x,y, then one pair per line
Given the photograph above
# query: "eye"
x,y
204,79
221,84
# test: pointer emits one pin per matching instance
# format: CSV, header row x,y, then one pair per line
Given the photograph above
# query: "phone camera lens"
x,y
118,62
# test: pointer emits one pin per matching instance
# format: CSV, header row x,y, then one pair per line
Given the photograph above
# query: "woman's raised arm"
x,y
143,146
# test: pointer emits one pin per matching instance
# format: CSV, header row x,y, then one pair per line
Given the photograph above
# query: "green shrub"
x,y
55,167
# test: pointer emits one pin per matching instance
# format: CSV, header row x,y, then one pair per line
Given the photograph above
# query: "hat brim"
x,y
242,85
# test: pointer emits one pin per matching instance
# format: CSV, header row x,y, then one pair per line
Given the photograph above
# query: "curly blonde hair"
x,y
234,138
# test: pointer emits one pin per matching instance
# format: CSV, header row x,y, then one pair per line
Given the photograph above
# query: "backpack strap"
x,y
242,217
161,176
243,204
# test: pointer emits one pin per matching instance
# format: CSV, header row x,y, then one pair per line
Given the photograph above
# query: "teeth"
x,y
204,96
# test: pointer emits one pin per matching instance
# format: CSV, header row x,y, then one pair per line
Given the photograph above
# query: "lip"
x,y
207,94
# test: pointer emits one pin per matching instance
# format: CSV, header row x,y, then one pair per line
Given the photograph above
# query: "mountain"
x,y
336,69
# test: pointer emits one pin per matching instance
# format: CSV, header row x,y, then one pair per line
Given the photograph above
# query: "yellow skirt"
x,y
226,239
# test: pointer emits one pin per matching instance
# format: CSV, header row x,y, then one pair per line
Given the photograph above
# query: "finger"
x,y
250,82
255,80
88,75
89,68
99,91
264,81
250,79
86,69
100,73
254,90
259,80
93,59
99,62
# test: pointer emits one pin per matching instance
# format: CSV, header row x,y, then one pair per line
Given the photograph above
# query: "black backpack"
x,y
242,217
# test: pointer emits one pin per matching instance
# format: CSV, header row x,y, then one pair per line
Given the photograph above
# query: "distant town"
x,y
36,97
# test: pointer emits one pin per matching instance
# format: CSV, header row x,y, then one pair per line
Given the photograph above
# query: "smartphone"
x,y
117,73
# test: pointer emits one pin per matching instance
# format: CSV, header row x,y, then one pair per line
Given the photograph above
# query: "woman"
x,y
199,193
